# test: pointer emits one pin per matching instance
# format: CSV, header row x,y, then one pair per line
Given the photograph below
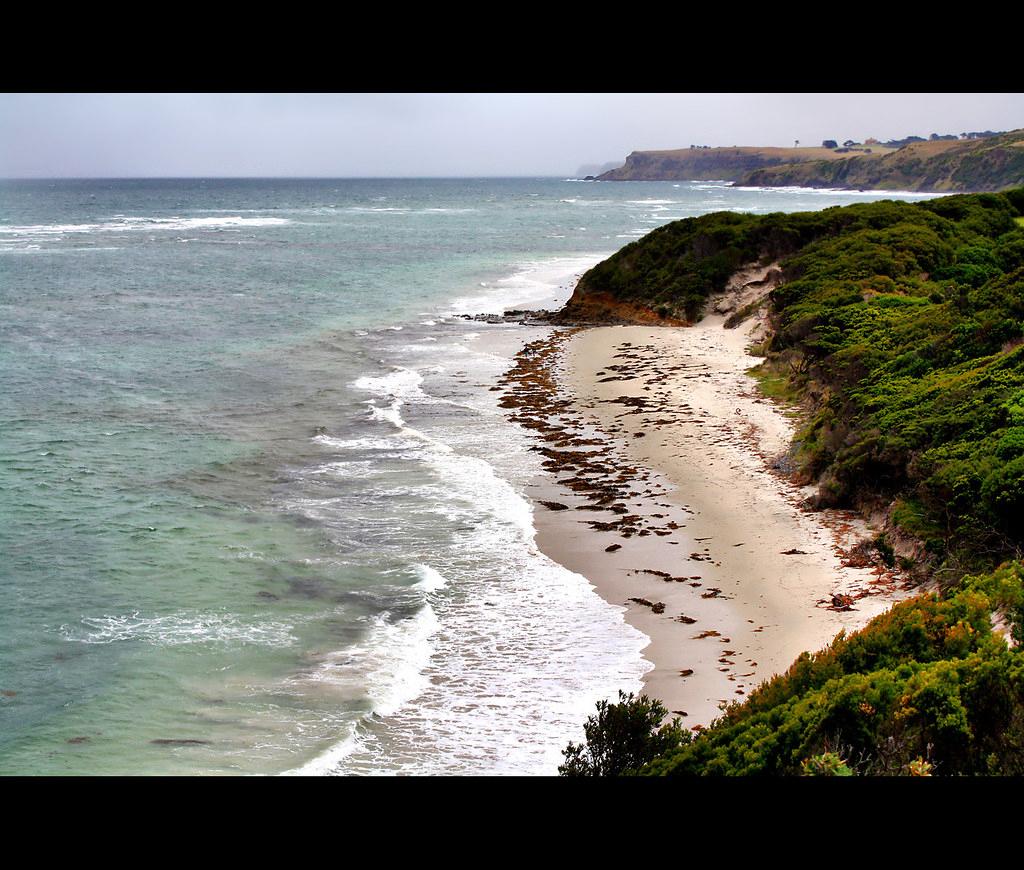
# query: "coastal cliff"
x,y
991,164
706,164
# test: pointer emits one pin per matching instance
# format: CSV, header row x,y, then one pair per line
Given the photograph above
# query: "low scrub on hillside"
x,y
927,687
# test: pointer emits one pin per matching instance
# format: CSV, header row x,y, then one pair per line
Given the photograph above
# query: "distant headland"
x,y
964,163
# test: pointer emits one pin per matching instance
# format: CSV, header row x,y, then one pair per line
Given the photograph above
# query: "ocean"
x,y
260,512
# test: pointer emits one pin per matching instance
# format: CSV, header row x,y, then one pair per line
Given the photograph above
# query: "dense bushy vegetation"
x,y
901,326
907,338
926,686
679,265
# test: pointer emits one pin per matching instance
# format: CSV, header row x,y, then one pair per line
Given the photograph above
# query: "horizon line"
x,y
272,177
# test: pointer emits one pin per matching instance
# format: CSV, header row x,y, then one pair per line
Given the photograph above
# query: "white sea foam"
x,y
507,661
178,628
347,470
390,414
388,665
401,382
391,442
328,761
376,209
545,283
432,581
400,652
8,248
446,348
838,191
491,654
494,657
130,224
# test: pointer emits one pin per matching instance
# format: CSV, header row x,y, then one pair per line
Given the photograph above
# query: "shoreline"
x,y
672,512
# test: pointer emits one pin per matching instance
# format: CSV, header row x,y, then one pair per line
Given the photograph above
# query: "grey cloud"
x,y
441,134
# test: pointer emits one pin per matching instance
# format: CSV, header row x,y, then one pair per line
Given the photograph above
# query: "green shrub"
x,y
826,764
622,738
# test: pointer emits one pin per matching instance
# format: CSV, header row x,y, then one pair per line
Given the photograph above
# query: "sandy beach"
x,y
661,492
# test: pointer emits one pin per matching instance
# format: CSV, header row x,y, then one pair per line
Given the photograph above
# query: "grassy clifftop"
x,y
995,163
989,164
703,164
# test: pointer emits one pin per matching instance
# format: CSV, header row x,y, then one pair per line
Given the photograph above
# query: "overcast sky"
x,y
350,135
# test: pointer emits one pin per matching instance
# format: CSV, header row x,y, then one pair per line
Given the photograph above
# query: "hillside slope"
x,y
930,688
995,163
705,164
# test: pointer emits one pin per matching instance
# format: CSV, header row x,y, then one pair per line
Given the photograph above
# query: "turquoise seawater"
x,y
259,510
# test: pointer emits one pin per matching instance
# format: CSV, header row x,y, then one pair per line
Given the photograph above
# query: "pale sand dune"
x,y
707,441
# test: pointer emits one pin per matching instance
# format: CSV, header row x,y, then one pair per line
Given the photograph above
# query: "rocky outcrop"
x,y
525,316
